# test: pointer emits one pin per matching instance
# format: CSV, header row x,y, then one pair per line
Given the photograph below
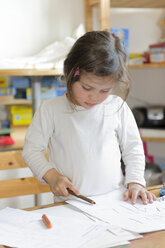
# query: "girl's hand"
x,y
59,183
136,190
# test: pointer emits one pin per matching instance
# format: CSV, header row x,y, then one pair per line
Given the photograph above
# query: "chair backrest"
x,y
27,185
18,186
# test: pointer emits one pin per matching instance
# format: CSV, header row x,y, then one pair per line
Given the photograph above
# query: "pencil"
x,y
46,221
81,197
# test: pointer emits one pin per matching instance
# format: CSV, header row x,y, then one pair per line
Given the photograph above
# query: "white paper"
x,y
29,231
112,209
71,229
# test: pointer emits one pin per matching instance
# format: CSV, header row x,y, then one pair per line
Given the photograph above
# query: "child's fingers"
x,y
134,196
143,196
150,197
59,187
73,189
154,197
126,195
68,185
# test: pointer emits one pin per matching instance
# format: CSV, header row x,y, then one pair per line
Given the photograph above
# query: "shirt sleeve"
x,y
36,142
131,146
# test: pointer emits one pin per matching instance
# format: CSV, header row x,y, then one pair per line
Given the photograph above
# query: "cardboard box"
x,y
21,114
7,91
158,57
3,82
47,92
123,34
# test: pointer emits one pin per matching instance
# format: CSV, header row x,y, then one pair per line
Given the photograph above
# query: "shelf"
x,y
143,66
152,135
104,9
10,100
30,72
53,72
132,3
19,132
18,136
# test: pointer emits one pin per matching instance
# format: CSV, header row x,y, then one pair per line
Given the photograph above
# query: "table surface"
x,y
149,240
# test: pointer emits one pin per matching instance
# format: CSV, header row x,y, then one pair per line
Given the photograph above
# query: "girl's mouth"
x,y
90,104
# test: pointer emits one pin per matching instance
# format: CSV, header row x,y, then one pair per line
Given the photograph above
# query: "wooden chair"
x,y
18,186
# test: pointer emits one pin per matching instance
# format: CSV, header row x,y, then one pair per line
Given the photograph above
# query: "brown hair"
x,y
101,53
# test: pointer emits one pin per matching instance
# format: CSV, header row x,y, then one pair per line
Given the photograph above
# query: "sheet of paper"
x,y
66,232
105,239
68,211
71,228
111,237
137,218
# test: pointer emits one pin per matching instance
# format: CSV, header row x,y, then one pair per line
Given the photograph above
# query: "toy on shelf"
x,y
162,191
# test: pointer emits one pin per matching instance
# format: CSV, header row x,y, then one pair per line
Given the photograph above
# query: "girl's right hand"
x,y
59,183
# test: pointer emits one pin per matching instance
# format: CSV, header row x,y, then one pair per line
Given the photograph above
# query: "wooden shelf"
x,y
19,132
152,135
146,66
104,9
53,72
30,72
10,100
132,3
18,136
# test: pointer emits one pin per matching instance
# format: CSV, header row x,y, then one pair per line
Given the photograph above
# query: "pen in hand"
x,y
46,221
81,197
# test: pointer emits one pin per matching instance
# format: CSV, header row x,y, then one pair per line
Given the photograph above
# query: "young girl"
x,y
89,129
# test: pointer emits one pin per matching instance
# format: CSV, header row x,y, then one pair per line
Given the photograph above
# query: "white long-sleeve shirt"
x,y
86,145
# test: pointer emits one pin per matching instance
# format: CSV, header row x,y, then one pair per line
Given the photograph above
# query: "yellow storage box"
x,y
21,114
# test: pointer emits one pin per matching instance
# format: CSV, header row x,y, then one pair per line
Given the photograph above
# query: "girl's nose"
x,y
93,97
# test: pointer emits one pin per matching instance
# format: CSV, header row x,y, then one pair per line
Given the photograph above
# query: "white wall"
x,y
148,85
144,25
28,25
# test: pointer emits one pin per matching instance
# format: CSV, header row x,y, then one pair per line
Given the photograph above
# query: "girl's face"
x,y
91,90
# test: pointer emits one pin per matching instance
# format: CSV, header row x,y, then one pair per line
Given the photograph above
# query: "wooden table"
x,y
149,240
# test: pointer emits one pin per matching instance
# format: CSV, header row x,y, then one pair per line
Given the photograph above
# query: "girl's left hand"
x,y
136,190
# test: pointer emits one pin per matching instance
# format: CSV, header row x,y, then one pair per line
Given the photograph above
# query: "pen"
x,y
81,197
46,221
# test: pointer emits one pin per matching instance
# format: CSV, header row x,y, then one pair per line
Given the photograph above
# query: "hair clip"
x,y
77,72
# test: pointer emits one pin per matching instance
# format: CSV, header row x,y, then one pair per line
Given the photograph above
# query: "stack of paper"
x,y
111,209
23,229
71,228
108,223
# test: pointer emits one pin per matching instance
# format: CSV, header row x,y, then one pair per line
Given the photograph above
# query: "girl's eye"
x,y
86,88
105,91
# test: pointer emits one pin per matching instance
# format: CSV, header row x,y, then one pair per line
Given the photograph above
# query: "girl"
x,y
89,129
